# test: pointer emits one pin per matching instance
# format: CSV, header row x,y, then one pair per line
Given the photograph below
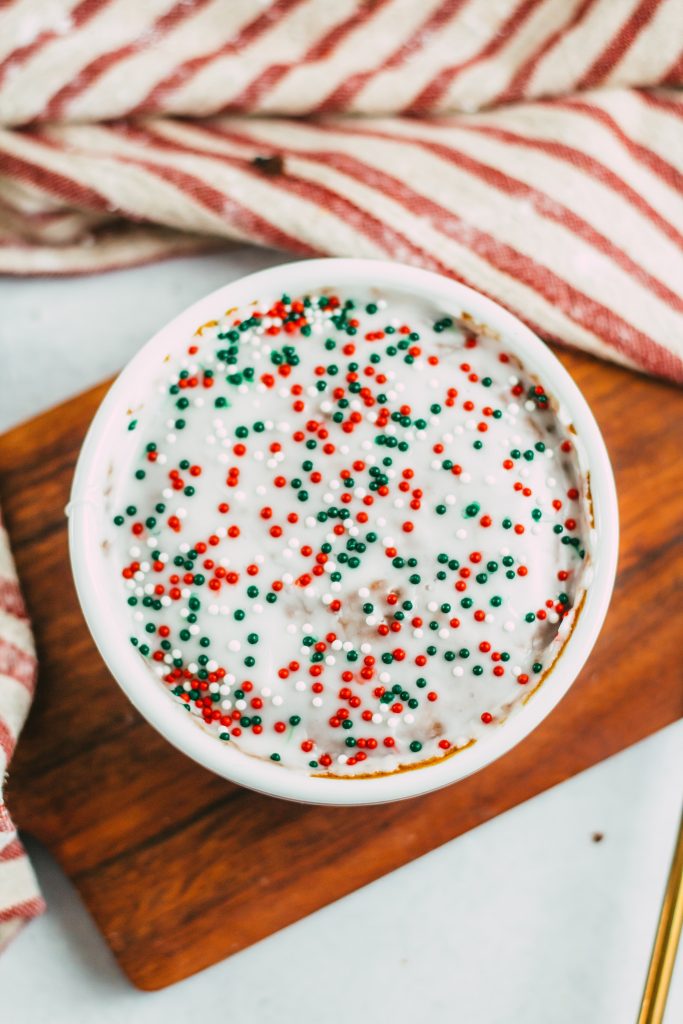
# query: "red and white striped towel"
x,y
97,60
532,148
567,212
19,896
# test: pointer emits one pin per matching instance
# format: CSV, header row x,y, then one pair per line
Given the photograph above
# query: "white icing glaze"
x,y
353,601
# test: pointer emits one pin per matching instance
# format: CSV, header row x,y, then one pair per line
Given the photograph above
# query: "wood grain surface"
x,y
180,868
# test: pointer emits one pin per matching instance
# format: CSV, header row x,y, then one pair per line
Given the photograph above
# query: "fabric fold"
x,y
20,898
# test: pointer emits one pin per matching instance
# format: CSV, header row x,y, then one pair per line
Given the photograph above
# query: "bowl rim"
x,y
132,674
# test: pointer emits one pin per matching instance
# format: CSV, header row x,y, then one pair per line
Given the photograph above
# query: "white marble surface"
x,y
526,920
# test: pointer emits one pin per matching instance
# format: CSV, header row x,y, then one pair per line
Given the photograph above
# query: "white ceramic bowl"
x,y
107,615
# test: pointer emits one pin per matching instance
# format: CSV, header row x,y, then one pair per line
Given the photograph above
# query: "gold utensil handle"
x,y
666,942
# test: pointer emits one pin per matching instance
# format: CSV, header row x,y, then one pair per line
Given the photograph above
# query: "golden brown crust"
x,y
401,768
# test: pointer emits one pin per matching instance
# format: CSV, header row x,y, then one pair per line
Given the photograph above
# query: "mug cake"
x,y
344,531
353,530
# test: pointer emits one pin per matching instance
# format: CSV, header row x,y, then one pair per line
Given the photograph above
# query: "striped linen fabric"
x,y
530,148
568,212
102,59
19,896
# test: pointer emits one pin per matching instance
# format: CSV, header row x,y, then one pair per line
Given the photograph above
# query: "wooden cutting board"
x,y
179,868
